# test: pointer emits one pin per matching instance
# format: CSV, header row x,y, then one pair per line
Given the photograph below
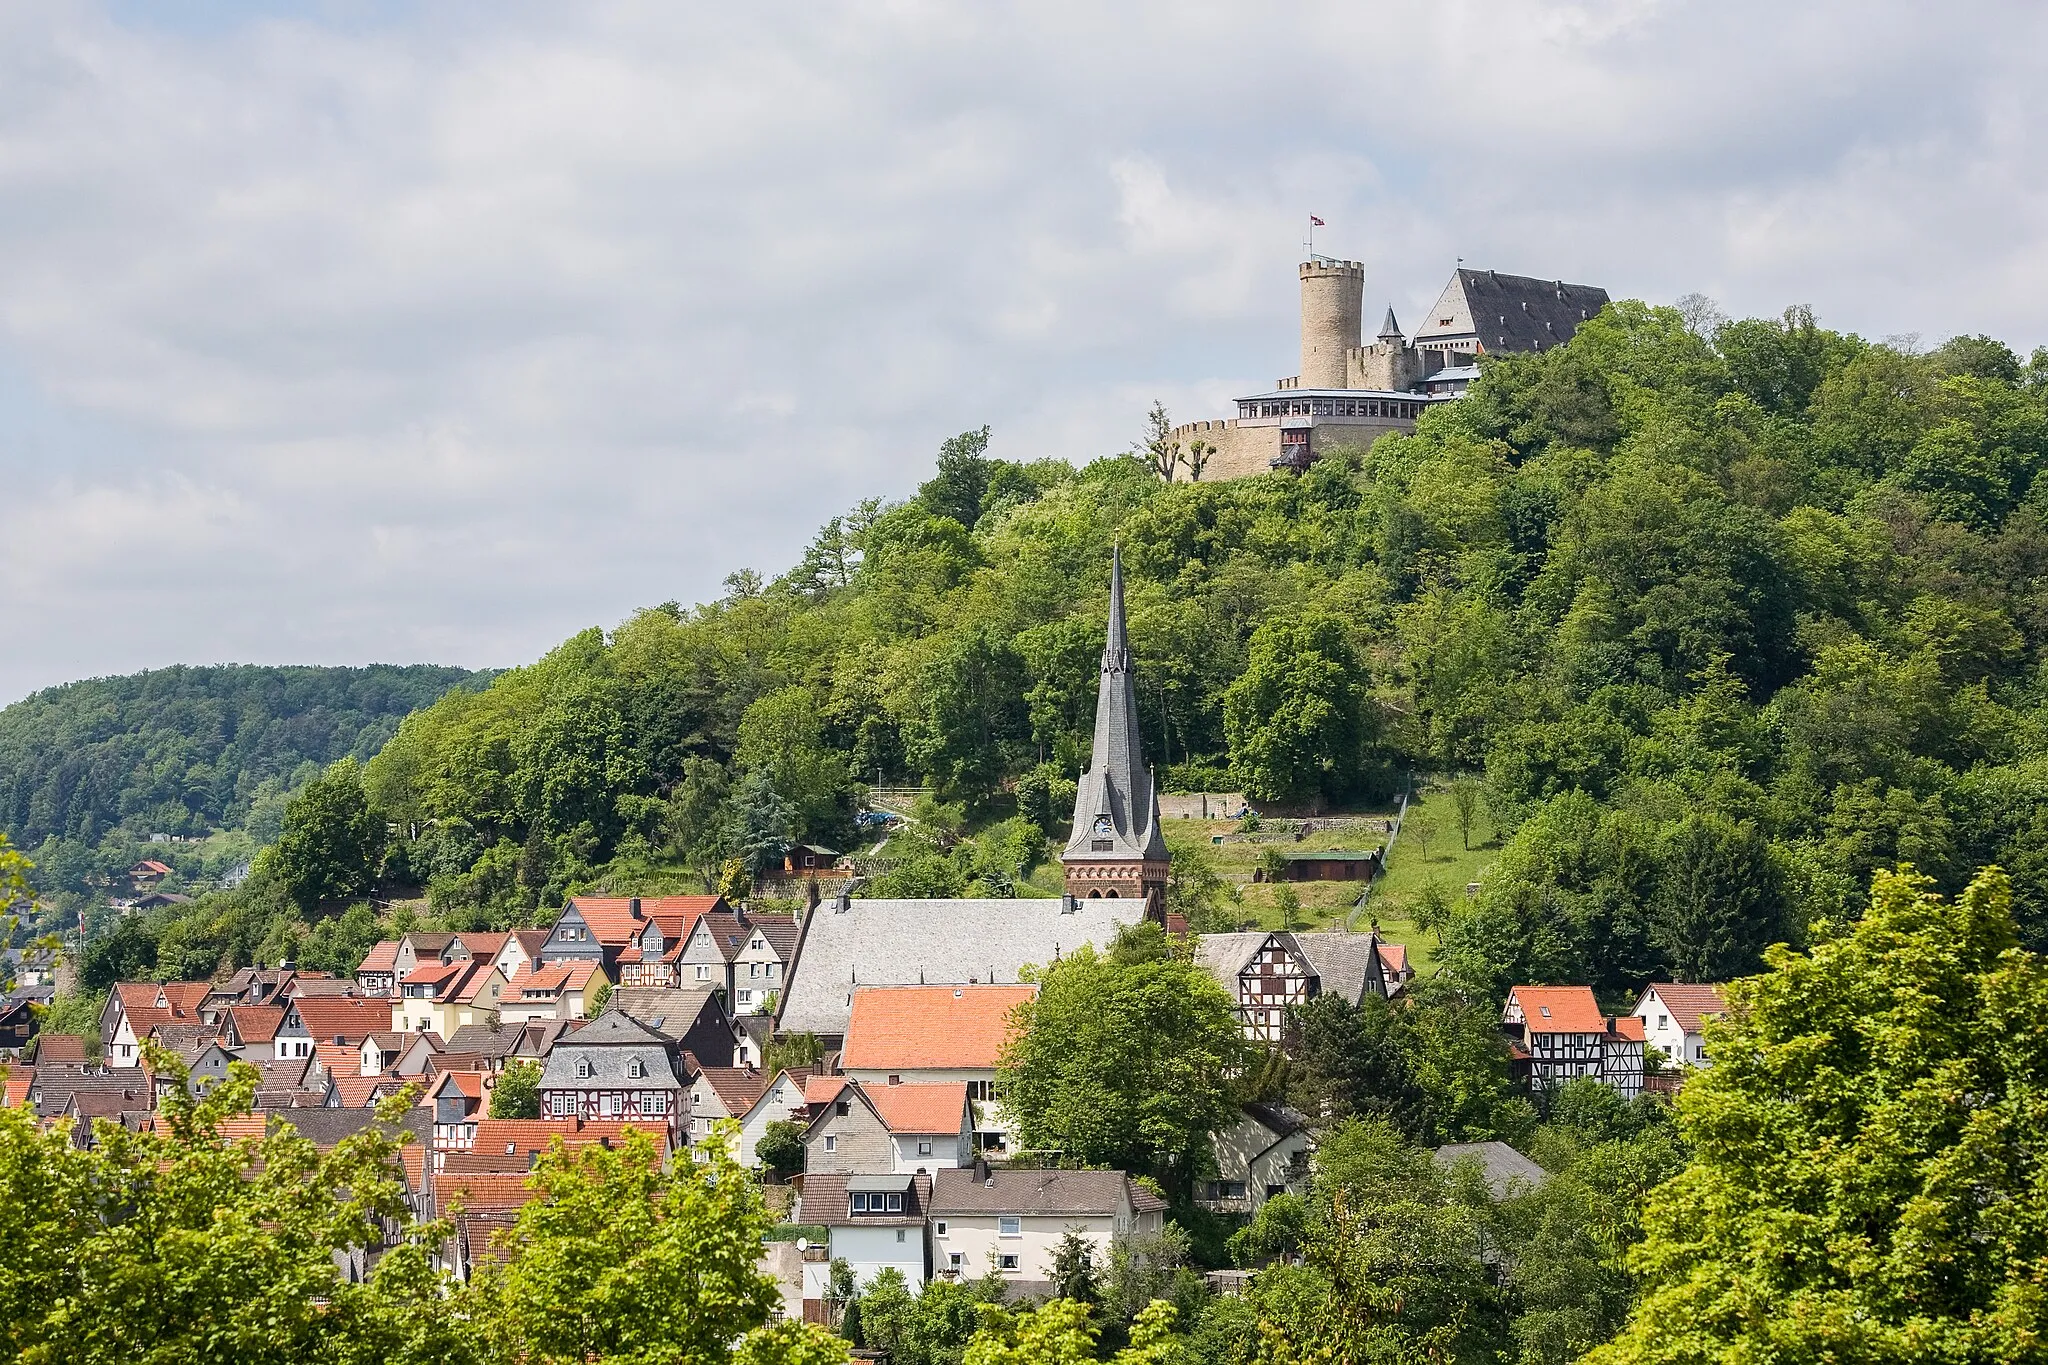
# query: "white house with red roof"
x,y
1674,1016
1558,1034
899,1035
441,997
555,990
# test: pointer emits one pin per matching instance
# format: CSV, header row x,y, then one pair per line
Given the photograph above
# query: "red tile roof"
x,y
60,1047
1691,1006
19,1078
477,1193
905,1028
920,1108
611,918
1559,1009
1394,957
512,1143
482,945
823,1089
738,1087
1628,1026
256,1023
382,958
181,1003
360,1092
349,1018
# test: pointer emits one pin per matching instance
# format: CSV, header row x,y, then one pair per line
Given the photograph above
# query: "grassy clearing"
x,y
1430,849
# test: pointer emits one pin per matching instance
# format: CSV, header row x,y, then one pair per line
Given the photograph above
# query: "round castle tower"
x,y
1332,308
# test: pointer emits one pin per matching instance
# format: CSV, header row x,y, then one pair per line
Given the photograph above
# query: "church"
x,y
1116,850
1348,394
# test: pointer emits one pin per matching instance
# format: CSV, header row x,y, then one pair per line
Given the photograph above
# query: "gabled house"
x,y
418,948
442,997
1269,973
18,1022
521,952
600,928
760,967
557,990
875,1223
377,973
334,1021
718,1093
250,1031
1674,1018
616,1067
649,958
782,1100
892,1128
1558,1034
133,1008
695,1020
380,1052
458,1099
419,1055
1263,1154
708,953
1014,1219
926,1034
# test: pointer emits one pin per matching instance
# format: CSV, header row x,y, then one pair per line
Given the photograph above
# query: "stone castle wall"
x,y
1240,451
1332,302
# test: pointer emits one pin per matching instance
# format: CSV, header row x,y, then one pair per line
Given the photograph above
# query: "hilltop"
x,y
1720,617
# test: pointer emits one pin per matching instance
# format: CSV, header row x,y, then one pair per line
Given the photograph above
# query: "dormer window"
x,y
584,1070
636,1069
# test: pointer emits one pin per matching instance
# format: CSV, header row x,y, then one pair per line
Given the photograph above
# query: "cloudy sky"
x,y
348,331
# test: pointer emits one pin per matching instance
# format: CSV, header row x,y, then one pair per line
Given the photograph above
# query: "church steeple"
x,y
1116,848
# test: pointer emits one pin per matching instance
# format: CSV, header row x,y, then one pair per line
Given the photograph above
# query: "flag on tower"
x,y
1317,221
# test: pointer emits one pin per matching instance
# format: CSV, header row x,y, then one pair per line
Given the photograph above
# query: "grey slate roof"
x,y
1117,785
1510,312
1038,1192
326,1127
56,1083
611,1042
486,1041
1502,1165
1347,965
667,1012
936,942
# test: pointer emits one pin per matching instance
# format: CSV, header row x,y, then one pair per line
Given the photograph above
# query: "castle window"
x,y
1101,846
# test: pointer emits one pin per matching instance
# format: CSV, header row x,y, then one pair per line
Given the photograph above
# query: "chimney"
x,y
1068,905
981,1171
633,907
842,904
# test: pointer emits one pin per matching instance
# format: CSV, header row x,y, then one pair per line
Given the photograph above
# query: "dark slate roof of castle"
x,y
1117,785
1511,312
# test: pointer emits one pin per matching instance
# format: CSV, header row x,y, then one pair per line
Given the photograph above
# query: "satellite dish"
x,y
803,1244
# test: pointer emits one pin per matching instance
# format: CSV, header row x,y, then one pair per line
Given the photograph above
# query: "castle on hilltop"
x,y
1351,394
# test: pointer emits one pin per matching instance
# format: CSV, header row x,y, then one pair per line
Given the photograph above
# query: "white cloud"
x,y
338,334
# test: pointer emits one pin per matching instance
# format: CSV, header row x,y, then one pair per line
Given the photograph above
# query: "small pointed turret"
x,y
1390,330
1117,848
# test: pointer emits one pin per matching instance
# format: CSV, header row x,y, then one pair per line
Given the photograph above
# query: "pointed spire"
x,y
1390,330
1117,788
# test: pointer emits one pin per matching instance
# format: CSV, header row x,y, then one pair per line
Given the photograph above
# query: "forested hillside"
x,y
89,769
1726,615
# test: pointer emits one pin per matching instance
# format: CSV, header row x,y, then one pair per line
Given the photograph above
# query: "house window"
x,y
924,1149
831,1143
899,1234
746,997
1009,1261
636,1068
753,969
703,972
1009,1227
955,1259
939,1228
981,1090
895,1203
841,1108
583,1069
860,1202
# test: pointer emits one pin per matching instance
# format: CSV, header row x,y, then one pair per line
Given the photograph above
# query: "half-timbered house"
x,y
616,1067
